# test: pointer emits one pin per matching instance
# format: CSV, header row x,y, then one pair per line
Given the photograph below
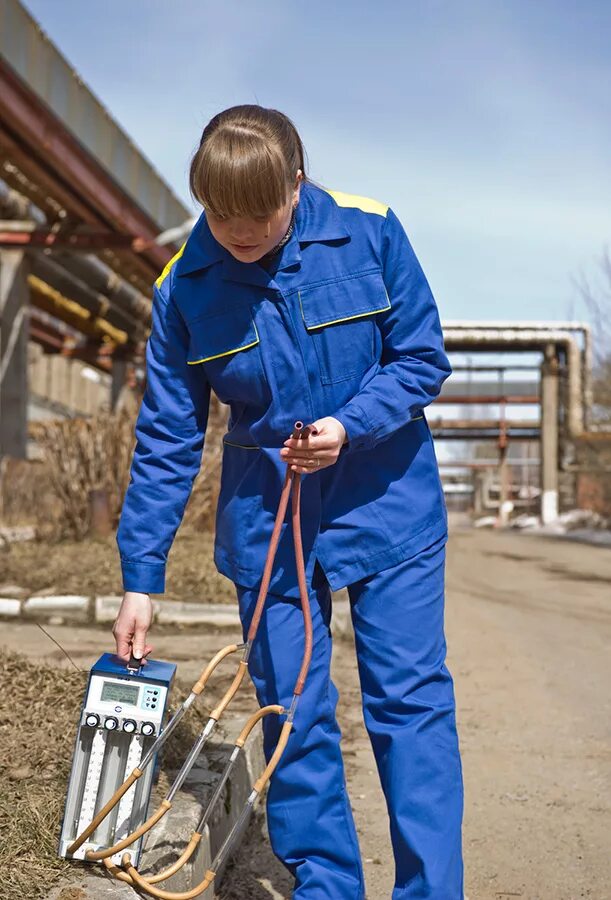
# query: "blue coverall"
x,y
344,324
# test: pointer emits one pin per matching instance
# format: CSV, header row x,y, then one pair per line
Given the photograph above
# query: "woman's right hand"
x,y
132,624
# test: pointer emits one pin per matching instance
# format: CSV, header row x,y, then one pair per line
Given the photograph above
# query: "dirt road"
x,y
528,626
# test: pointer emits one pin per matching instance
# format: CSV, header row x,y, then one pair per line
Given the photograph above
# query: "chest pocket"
x,y
339,317
227,344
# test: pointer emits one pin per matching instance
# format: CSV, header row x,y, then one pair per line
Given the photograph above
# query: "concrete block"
x,y
170,836
71,607
215,615
13,590
14,533
10,606
92,885
107,607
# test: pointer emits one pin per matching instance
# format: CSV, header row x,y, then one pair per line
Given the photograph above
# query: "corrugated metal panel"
x,y
40,64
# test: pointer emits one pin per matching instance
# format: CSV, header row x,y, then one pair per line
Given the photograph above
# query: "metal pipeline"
x,y
102,279
508,336
73,286
291,486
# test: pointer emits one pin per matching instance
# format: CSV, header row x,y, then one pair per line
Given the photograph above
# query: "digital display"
x,y
120,693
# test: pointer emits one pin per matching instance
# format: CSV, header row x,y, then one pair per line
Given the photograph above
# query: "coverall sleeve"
x,y
170,431
414,363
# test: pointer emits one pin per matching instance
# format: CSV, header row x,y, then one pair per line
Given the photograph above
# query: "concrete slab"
x,y
106,608
13,590
92,885
217,615
10,606
72,606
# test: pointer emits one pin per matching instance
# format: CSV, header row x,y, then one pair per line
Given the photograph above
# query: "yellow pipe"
x,y
76,315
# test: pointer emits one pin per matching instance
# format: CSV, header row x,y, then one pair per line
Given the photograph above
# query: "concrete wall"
x,y
59,388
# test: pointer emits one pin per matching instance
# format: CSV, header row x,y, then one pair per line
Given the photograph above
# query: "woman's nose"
x,y
240,233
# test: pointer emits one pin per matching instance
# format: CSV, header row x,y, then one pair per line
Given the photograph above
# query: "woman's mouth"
x,y
244,248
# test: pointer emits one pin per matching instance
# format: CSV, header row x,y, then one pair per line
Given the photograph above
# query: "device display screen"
x,y
121,693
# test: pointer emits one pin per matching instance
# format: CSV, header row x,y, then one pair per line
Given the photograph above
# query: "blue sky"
x,y
485,124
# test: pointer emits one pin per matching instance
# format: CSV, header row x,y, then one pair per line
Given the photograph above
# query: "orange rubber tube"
x,y
292,485
95,855
185,856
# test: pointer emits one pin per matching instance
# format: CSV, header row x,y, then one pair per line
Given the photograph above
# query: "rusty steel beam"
x,y
57,342
46,238
485,463
47,139
474,424
441,435
482,399
93,356
46,334
47,192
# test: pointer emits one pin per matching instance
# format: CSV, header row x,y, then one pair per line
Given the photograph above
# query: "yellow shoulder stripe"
x,y
365,203
168,266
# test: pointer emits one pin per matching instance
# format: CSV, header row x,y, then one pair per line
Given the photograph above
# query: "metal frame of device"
x,y
121,717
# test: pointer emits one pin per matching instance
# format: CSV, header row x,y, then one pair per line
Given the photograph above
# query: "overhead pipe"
x,y
97,303
103,279
51,301
505,336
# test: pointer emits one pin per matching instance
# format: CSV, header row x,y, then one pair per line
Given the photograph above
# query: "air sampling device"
x,y
121,718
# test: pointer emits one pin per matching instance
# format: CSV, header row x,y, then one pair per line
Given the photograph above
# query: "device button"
x,y
147,728
92,720
110,723
129,726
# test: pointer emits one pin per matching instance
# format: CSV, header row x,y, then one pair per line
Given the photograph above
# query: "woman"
x,y
292,302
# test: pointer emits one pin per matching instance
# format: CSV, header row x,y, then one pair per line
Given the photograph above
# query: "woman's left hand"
x,y
317,451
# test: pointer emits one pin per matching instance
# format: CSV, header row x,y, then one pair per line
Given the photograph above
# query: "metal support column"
x,y
14,330
549,435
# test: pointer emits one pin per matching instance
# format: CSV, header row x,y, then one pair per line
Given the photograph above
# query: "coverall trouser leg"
x,y
409,712
309,817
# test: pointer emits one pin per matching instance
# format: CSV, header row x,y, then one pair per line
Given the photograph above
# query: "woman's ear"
x,y
297,187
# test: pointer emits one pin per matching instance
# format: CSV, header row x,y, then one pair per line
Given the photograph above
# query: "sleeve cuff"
x,y
358,431
145,578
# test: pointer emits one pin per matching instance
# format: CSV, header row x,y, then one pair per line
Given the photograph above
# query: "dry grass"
x,y
92,567
39,709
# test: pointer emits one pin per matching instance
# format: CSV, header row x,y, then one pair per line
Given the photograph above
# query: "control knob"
x,y
110,723
147,728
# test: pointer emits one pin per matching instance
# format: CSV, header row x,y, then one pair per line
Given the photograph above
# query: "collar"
x,y
317,218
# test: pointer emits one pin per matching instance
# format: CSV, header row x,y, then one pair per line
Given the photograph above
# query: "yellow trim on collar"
x,y
166,269
367,204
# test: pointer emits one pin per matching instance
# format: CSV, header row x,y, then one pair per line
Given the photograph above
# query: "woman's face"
x,y
250,239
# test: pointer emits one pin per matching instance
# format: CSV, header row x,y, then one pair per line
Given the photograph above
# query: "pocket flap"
x,y
363,294
212,337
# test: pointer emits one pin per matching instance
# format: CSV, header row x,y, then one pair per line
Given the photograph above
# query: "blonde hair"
x,y
247,162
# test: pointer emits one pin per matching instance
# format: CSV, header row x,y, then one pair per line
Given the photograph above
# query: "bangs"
x,y
238,173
